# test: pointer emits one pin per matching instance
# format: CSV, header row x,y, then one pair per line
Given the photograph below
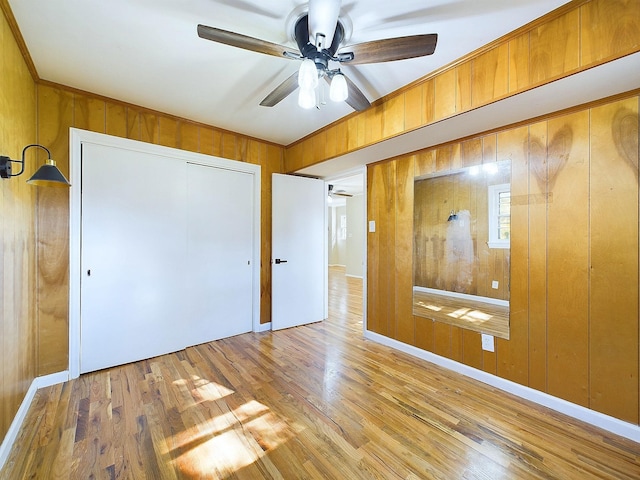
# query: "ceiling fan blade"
x,y
390,49
282,91
243,41
323,19
356,98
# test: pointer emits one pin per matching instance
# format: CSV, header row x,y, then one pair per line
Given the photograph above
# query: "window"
x,y
499,216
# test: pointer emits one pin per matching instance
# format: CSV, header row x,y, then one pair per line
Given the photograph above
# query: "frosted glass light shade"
x,y
339,91
308,74
307,97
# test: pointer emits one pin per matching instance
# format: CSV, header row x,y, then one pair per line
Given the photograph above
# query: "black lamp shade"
x,y
48,175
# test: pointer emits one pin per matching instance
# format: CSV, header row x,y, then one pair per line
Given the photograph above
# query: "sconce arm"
x,y
5,162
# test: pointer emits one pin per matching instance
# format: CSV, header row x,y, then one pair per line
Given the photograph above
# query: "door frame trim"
x,y
77,137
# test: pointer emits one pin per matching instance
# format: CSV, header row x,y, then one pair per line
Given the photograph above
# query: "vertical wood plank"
x,y
537,281
352,132
519,63
88,113
568,257
425,333
217,143
381,265
189,137
116,119
490,79
229,146
375,188
555,48
205,140
513,362
445,94
393,116
472,349
428,101
342,138
413,108
371,121
471,151
425,162
133,123
55,116
149,128
608,28
442,339
332,145
403,278
167,131
463,87
613,339
457,343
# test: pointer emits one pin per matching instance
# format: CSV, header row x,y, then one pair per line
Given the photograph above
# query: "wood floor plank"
x,y
311,402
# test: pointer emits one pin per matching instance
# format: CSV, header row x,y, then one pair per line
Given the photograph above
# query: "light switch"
x,y
372,226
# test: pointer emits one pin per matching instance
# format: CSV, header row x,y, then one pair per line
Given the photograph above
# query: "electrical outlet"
x,y
487,343
494,284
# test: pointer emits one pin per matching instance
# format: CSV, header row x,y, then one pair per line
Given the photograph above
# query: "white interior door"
x,y
299,258
220,247
133,237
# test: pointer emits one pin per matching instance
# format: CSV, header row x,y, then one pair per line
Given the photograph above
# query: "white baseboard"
x,y
264,327
597,419
353,276
14,428
52,379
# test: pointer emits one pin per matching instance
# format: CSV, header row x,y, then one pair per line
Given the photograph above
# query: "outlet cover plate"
x,y
487,343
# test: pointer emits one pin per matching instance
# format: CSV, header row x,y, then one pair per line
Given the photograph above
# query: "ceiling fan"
x,y
338,193
320,35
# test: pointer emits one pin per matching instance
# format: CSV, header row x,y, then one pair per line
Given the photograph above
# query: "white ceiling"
x,y
147,52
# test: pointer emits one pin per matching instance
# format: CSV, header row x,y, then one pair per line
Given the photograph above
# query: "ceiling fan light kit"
x,y
339,90
308,74
319,32
307,97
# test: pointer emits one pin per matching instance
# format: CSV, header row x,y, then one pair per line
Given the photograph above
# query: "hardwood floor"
x,y
316,401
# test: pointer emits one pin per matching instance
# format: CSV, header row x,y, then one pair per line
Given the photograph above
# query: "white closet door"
x,y
219,245
134,228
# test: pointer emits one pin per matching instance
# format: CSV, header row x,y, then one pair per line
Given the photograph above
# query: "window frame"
x,y
494,192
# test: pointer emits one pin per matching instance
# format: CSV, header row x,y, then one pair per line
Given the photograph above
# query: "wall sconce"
x,y
48,175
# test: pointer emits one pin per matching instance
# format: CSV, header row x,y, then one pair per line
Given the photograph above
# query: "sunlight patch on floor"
x,y
227,442
204,390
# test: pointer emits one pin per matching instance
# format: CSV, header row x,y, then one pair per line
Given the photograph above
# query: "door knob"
x,y
278,261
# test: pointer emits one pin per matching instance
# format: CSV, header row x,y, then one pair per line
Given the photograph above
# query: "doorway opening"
x,y
346,245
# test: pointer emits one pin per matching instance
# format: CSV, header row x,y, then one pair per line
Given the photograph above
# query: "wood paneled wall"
x,y
574,257
60,108
17,231
575,37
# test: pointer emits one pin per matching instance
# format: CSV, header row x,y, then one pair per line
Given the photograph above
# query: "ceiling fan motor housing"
x,y
309,50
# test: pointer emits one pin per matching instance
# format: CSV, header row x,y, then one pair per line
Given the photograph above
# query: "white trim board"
x,y
78,137
264,327
21,414
462,296
597,419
